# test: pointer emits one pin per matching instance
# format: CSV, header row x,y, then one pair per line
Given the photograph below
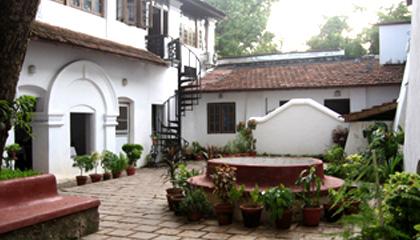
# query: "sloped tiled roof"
x,y
48,32
385,111
326,74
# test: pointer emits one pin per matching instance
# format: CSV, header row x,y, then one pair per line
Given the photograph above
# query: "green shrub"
x,y
83,162
402,201
278,199
107,158
118,164
195,201
6,174
133,152
311,185
182,174
13,148
335,154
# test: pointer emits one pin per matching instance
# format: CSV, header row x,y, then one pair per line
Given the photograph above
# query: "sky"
x,y
295,21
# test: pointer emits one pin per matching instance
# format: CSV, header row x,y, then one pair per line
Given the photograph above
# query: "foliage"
x,y
83,162
212,152
133,152
235,193
402,200
244,141
310,182
6,174
224,178
95,157
171,159
335,154
13,148
118,164
17,113
194,150
195,201
107,158
243,31
349,168
197,149
182,175
330,35
277,199
256,196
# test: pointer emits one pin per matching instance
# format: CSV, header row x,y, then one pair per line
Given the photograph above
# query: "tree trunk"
x,y
15,26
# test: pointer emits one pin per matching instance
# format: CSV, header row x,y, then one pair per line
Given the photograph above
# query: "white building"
x,y
98,80
241,88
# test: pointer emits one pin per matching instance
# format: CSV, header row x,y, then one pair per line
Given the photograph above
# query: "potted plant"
x,y
224,178
118,164
95,158
278,201
171,160
133,152
12,150
311,188
195,204
251,211
82,162
107,159
180,182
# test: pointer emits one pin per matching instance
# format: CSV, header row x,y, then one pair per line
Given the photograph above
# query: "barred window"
x,y
221,118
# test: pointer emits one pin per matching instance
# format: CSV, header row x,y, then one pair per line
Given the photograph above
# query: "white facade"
x,y
250,104
393,40
412,121
300,127
75,84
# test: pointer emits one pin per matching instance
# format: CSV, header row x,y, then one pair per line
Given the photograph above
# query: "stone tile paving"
x,y
135,208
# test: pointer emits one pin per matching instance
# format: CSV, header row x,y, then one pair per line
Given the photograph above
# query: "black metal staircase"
x,y
185,98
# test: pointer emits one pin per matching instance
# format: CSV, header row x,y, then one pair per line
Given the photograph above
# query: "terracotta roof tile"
x,y
342,73
52,33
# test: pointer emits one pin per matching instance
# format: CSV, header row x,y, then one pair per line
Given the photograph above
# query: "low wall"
x,y
300,127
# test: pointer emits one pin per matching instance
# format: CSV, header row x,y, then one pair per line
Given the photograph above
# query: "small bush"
x,y
6,174
334,154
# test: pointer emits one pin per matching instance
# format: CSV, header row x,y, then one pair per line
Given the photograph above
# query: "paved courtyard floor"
x,y
135,208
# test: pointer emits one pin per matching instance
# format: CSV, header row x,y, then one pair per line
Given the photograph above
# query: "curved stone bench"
x,y
30,208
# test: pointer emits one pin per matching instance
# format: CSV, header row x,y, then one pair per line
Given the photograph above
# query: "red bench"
x,y
30,201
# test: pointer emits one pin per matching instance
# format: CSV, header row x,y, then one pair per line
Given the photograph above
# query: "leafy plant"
x,y
212,152
402,201
256,196
17,113
335,154
7,174
118,164
182,175
236,193
107,158
224,178
133,152
310,182
95,157
13,148
277,199
171,159
195,201
244,140
83,162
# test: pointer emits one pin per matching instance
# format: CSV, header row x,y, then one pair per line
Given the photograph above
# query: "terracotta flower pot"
x,y
252,154
285,221
170,192
81,180
95,177
194,216
224,213
176,201
311,216
330,213
116,174
251,213
107,176
131,170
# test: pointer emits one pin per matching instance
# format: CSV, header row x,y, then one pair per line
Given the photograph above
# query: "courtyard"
x,y
135,207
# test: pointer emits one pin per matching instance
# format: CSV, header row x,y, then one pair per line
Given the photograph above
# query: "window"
x,y
282,102
133,12
91,6
123,119
221,118
189,31
341,106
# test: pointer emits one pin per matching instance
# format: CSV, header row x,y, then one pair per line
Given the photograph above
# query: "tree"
x,y
331,36
243,32
394,13
15,24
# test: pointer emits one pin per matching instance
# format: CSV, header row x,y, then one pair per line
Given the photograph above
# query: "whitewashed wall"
x,y
393,42
301,126
253,104
71,79
412,129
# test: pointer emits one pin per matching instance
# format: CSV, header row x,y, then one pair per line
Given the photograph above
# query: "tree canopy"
x,y
243,31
